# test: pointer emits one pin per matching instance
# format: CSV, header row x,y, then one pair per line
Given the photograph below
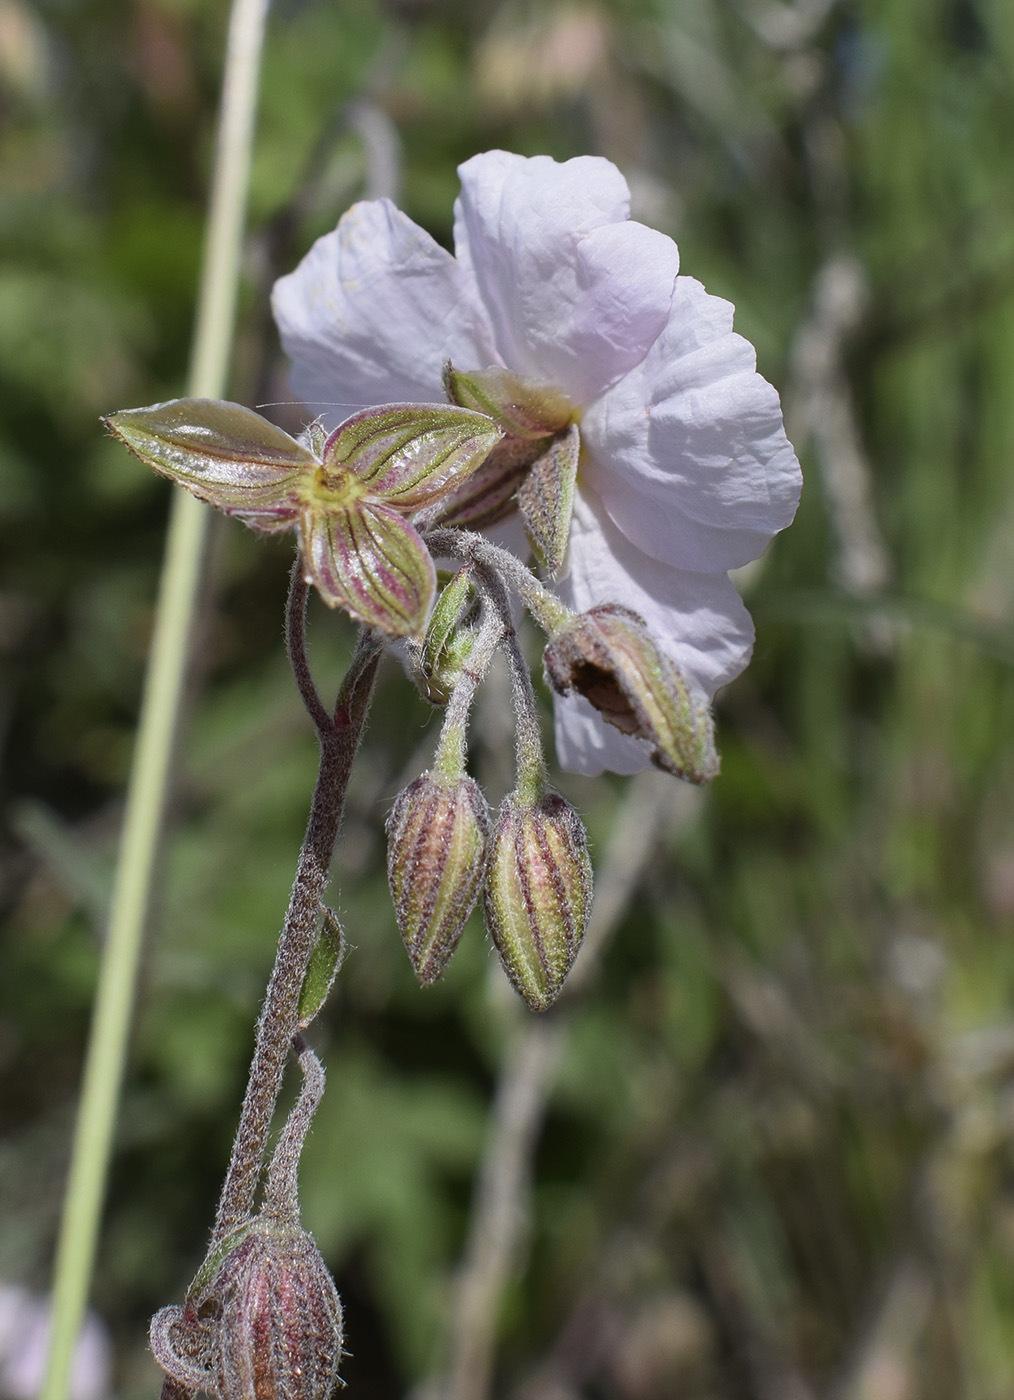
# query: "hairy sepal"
x,y
370,561
223,453
412,454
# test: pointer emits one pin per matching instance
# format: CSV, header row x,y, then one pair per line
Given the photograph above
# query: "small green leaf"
x,y
224,453
546,500
412,454
324,965
368,559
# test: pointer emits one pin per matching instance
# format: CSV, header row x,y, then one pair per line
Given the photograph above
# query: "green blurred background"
x,y
777,1159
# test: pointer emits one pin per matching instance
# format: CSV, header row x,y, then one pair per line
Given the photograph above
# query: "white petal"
x,y
586,744
372,312
697,618
688,451
575,291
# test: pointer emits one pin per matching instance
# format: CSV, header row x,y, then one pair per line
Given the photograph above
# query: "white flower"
x,y
24,1345
685,470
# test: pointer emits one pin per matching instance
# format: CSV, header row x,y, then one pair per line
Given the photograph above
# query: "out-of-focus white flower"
x,y
685,471
24,1341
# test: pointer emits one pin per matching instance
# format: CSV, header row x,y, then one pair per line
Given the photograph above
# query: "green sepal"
x,y
223,453
490,493
525,408
411,455
367,559
212,1262
546,500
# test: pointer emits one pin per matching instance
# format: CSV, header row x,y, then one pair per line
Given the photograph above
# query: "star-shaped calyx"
x,y
347,494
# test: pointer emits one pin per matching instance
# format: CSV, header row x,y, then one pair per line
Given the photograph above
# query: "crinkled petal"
x,y
696,618
586,744
688,451
576,292
372,312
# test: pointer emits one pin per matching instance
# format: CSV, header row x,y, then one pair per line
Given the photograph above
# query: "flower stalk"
x,y
338,735
545,607
262,1315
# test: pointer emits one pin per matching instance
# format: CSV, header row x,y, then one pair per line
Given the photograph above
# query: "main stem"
x,y
339,737
178,589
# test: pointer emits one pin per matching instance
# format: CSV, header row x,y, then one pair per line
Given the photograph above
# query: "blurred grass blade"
x,y
181,573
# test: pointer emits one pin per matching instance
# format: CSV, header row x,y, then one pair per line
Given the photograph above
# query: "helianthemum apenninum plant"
x,y
555,379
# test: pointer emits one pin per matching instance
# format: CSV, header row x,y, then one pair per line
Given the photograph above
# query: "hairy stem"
x,y
295,645
451,746
181,572
532,778
339,738
281,1196
496,564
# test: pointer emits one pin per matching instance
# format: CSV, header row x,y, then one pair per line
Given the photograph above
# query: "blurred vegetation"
x,y
778,1156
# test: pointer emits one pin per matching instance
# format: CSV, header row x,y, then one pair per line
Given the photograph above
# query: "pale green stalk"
x,y
167,665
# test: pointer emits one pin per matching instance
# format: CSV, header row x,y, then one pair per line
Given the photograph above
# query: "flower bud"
x,y
450,638
436,859
279,1333
538,893
608,656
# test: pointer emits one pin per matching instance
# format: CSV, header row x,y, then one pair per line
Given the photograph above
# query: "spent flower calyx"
x,y
347,494
267,1326
608,657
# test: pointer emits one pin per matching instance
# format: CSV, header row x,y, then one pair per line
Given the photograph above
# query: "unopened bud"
x,y
450,638
538,893
436,859
279,1330
608,656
